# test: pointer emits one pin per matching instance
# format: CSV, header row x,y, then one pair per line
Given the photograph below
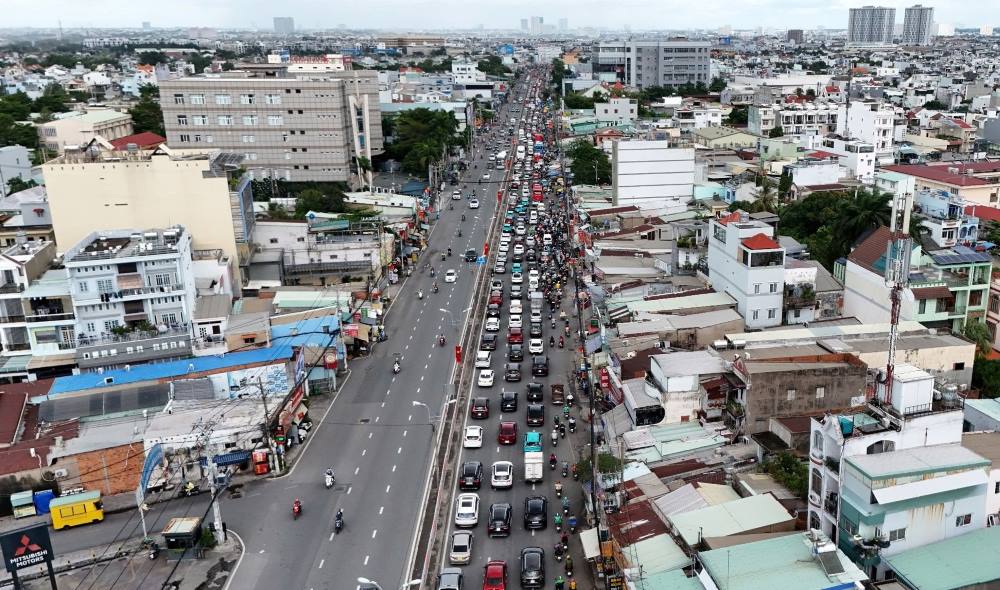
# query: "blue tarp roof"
x,y
307,332
234,458
172,369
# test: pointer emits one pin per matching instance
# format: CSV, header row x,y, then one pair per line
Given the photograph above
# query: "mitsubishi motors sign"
x,y
26,547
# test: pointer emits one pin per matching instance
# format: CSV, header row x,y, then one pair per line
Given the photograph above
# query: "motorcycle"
x,y
562,431
572,525
555,437
559,489
565,469
434,288
558,551
444,255
420,294
552,341
459,233
432,272
552,463
152,548
190,489
572,424
296,509
395,368
562,342
576,475
338,522
329,480
567,327
441,340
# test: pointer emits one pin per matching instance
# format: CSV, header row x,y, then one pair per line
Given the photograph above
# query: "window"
x,y
816,481
182,120
756,288
300,239
772,313
897,534
185,138
249,119
197,99
275,120
958,366
272,99
996,488
820,392
774,287
963,520
249,139
756,313
162,280
850,527
83,286
922,307
178,99
223,99
273,240
105,285
790,395
91,327
110,325
225,120
249,339
882,446
247,99
199,120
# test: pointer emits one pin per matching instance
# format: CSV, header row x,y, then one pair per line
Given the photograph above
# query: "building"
x,y
524,25
945,219
297,127
975,183
651,175
537,25
918,23
15,162
856,157
621,111
959,562
207,193
795,36
722,137
872,122
746,262
811,118
687,119
563,25
78,129
133,296
284,25
25,214
644,64
871,25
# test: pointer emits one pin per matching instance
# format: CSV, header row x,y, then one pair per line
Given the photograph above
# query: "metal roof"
x,y
731,518
917,461
959,562
657,554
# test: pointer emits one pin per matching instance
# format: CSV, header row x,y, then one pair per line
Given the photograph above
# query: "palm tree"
x,y
766,198
867,211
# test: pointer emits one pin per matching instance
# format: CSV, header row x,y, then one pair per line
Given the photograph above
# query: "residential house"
x,y
723,137
975,183
855,156
965,561
15,162
617,110
78,129
810,118
945,219
872,122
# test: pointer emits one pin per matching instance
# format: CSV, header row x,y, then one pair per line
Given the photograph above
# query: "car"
x,y
461,548
516,267
518,249
486,377
483,359
471,476
534,393
516,278
514,321
515,352
515,307
502,476
508,433
492,324
520,230
473,437
532,567
539,366
515,336
471,254
536,316
499,268
535,512
501,257
496,285
500,517
456,195
450,578
535,330
450,276
495,575
488,342
536,415
532,442
474,204
535,346
493,310
534,274
512,372
486,176
516,291
533,284
467,510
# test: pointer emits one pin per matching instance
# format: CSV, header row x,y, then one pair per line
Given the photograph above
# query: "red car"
x,y
515,336
495,575
508,433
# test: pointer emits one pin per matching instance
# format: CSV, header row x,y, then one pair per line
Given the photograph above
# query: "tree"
x,y
312,199
718,84
776,132
866,211
199,61
422,136
738,116
53,99
228,66
811,92
590,165
152,58
606,463
978,333
14,133
17,105
16,185
784,185
575,100
790,471
986,377
147,114
493,66
935,105
766,198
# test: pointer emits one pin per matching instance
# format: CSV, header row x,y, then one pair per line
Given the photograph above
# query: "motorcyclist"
x,y
395,366
463,216
553,460
434,287
552,341
420,294
340,515
449,251
297,506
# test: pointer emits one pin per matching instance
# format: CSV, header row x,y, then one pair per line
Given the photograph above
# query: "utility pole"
x,y
276,461
216,510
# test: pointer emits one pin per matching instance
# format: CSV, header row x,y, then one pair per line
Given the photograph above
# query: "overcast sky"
x,y
423,14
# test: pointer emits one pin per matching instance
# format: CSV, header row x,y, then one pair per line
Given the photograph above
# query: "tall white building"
x,y
871,25
917,25
652,175
537,26
745,261
872,122
814,118
284,25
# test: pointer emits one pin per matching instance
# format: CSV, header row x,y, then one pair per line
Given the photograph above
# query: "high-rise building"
x,y
986,30
644,64
537,25
871,25
146,26
563,24
307,126
284,25
795,36
524,25
917,24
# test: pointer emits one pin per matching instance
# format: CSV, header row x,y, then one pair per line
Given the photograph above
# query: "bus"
x,y
76,509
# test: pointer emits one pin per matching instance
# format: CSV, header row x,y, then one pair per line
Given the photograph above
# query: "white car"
x,y
467,510
473,437
484,358
536,316
461,548
486,176
515,322
501,257
515,307
520,230
474,204
492,324
516,278
456,195
532,274
503,475
535,346
530,242
533,284
450,276
518,248
486,377
499,268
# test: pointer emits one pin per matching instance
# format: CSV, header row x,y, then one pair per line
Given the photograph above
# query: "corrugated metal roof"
x,y
731,518
960,562
657,554
679,303
921,460
670,580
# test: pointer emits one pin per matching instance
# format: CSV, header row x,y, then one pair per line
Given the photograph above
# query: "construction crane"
x,y
897,276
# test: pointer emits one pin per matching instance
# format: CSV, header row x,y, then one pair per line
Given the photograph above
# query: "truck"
x,y
537,300
534,466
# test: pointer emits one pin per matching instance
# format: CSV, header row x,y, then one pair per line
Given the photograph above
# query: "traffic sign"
x,y
480,260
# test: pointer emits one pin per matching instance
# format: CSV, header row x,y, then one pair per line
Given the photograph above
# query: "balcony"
x,y
830,504
50,317
832,464
17,346
123,293
133,347
11,319
11,288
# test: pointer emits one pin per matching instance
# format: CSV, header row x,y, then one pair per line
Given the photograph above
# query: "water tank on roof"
x,y
846,426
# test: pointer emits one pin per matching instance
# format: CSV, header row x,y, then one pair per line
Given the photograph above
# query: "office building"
x,y
524,25
284,25
871,25
917,25
795,36
563,25
296,126
645,64
537,26
77,129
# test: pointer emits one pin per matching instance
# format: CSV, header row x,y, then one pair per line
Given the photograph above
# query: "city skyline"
x,y
394,14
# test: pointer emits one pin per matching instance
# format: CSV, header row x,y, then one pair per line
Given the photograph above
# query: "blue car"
x,y
532,442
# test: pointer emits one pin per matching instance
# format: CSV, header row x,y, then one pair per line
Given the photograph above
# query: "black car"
x,y
539,366
488,342
536,512
471,255
536,415
515,352
535,331
534,394
532,567
471,477
493,310
480,408
500,515
517,258
512,372
508,401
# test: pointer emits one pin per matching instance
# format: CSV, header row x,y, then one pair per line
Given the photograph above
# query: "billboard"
x,y
26,547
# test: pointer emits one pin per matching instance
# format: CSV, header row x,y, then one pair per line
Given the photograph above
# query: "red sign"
x,y
351,330
330,360
605,379
499,196
458,353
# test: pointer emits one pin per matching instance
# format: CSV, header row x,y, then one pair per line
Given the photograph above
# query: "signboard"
x,y
458,354
330,360
616,582
480,260
154,457
26,547
351,330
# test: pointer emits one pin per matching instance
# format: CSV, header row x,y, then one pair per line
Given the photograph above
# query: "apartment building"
x,y
976,183
871,25
687,119
643,64
133,296
811,118
293,126
945,219
918,22
617,110
78,129
15,162
745,261
872,122
206,192
855,156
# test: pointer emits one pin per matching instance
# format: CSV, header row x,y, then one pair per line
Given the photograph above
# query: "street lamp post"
x,y
375,585
431,419
454,323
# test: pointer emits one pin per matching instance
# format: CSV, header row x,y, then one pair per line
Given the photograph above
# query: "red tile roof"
x,y
871,249
734,216
822,155
760,242
145,140
961,123
940,172
612,210
983,212
637,523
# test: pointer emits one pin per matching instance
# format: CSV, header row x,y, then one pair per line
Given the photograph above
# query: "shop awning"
x,y
234,458
941,292
591,547
51,360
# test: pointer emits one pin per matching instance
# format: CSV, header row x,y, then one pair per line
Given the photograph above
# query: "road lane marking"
x,y
356,470
418,390
409,418
366,559
321,562
425,367
381,509
350,489
421,377
399,450
375,532
370,434
376,419
331,535
394,469
383,404
387,488
404,434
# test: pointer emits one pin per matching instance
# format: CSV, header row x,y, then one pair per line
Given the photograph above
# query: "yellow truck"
x,y
76,509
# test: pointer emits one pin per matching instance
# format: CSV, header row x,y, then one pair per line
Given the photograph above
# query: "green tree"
x,y
784,185
558,72
16,185
776,132
147,114
606,463
935,105
590,165
738,116
17,105
978,333
312,199
152,58
986,377
199,61
53,99
493,66
789,471
718,84
422,136
866,211
766,198
575,100
14,133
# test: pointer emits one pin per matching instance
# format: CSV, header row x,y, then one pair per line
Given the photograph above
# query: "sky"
x,y
415,15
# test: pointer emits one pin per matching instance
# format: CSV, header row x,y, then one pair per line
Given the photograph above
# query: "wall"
x,y
767,396
114,470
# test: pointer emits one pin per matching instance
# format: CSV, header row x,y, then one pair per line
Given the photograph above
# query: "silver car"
x,y
461,548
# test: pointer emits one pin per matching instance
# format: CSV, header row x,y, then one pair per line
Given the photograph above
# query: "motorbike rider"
x,y
420,294
297,505
553,460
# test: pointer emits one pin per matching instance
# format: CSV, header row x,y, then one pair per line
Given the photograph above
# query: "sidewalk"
x,y
125,566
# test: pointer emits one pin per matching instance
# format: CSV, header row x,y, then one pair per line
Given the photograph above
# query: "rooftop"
x,y
952,173
917,461
964,561
120,244
760,242
212,306
732,518
990,407
984,444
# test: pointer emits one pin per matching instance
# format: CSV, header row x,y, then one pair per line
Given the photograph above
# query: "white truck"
x,y
534,466
537,300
